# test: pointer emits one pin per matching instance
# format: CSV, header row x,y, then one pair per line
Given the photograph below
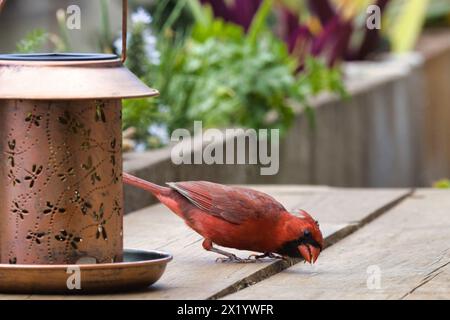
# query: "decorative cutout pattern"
x,y
33,119
18,210
62,174
52,209
36,237
101,227
33,174
68,238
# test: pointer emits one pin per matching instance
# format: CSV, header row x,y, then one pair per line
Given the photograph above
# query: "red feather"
x,y
233,204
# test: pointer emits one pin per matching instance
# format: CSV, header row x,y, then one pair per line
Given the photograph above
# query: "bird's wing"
x,y
233,204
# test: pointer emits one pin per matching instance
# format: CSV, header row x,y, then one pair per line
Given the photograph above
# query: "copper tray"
x,y
139,270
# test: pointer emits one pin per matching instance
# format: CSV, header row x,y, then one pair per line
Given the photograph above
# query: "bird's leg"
x,y
265,255
208,246
260,256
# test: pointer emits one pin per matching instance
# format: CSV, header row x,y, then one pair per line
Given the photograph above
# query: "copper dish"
x,y
139,270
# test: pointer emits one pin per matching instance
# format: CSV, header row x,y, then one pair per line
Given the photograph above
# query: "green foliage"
x,y
60,41
212,71
442,184
259,23
137,114
314,79
438,13
233,83
137,60
225,77
404,23
317,77
33,41
175,14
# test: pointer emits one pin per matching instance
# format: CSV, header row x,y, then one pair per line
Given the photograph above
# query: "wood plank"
x,y
194,274
436,283
409,244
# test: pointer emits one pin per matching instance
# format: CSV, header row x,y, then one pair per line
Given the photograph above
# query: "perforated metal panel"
x,y
61,195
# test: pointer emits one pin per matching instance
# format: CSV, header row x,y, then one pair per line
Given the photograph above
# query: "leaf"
x,y
198,12
259,21
406,26
175,14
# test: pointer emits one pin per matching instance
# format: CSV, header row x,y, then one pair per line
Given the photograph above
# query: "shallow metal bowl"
x,y
139,270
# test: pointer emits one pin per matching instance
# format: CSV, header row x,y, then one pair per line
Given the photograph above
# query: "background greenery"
x,y
216,72
212,69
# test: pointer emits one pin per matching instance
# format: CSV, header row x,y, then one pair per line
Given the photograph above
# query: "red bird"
x,y
239,218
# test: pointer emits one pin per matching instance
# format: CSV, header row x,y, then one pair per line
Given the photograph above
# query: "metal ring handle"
x,y
124,27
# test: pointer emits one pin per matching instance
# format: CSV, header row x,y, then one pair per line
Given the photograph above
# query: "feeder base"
x,y
139,270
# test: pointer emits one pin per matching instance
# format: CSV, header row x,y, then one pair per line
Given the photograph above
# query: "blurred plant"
x,y
442,184
240,12
33,41
169,12
37,39
215,71
404,23
438,13
319,27
142,49
62,43
222,76
144,61
335,30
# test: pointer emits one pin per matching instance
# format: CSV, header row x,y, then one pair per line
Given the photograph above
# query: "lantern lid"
x,y
68,76
57,56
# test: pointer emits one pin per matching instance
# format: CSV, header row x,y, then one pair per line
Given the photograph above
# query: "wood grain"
x,y
194,274
409,244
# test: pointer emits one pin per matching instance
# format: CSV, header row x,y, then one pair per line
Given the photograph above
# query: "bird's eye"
x,y
306,233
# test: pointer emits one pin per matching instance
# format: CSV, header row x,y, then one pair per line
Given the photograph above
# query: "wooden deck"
x,y
401,234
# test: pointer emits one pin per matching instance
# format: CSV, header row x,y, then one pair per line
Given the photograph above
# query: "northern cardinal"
x,y
239,218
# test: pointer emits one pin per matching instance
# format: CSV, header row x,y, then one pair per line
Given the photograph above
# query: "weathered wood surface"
x,y
194,274
410,245
435,46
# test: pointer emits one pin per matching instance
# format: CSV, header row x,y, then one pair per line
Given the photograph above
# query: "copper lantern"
x,y
61,198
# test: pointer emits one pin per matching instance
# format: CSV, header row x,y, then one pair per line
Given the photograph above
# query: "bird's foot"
x,y
235,259
269,255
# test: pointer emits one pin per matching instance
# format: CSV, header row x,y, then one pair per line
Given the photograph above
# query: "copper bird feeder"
x,y
61,193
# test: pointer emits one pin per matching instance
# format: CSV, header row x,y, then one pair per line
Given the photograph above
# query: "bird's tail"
x,y
144,185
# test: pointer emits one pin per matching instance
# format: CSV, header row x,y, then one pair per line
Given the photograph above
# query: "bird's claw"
x,y
259,257
234,258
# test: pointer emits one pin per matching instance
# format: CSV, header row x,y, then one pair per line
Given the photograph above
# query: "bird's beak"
x,y
309,252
